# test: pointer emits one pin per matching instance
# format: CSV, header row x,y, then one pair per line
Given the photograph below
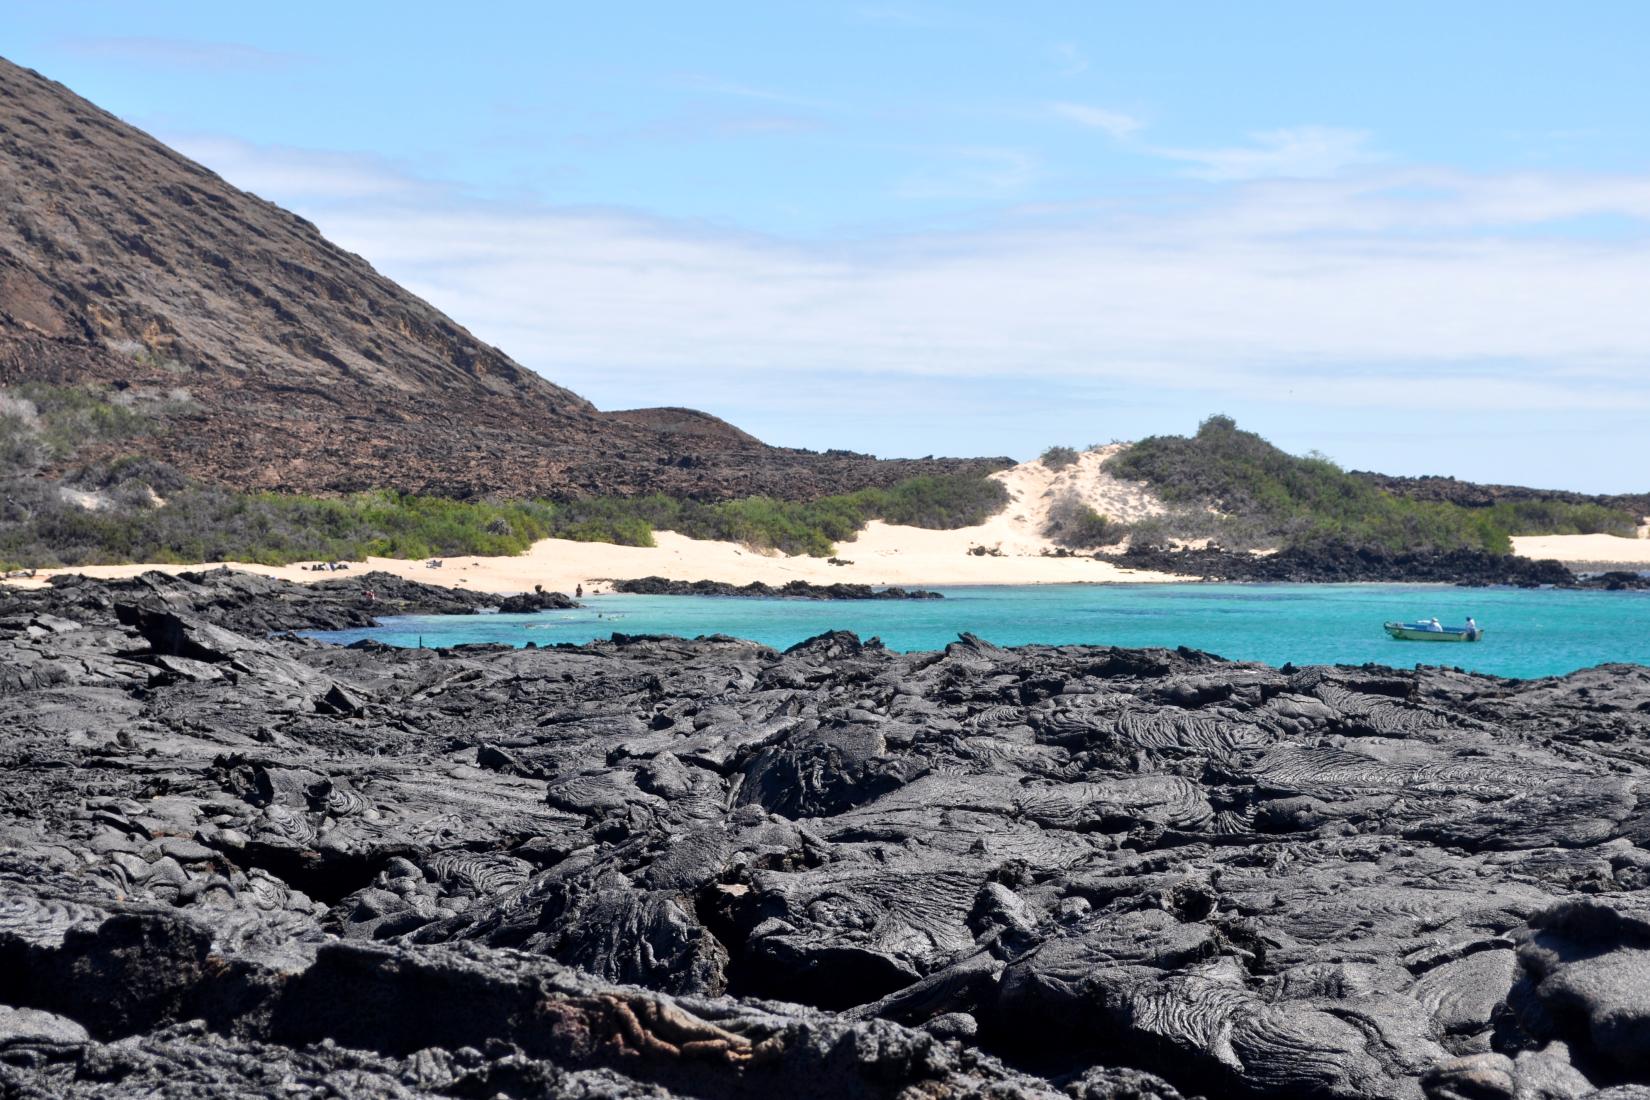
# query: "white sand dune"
x,y
882,554
1034,488
1587,549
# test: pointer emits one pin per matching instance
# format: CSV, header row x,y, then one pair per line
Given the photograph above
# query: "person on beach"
x,y
578,590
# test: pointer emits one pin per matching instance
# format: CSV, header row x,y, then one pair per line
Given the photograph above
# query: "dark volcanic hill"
x,y
126,264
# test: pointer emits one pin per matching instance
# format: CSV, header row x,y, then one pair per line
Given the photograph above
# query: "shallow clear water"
x,y
1528,632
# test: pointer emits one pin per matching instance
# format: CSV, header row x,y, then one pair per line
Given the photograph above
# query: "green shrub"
x,y
1058,458
1558,517
73,416
42,423
1072,523
1263,492
21,449
63,419
38,527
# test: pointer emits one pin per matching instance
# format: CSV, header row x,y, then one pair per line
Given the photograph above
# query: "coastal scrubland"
x,y
1235,487
200,523
140,509
63,508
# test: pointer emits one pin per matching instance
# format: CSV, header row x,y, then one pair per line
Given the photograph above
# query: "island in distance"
x,y
235,861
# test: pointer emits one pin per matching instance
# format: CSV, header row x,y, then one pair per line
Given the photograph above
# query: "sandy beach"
x,y
1587,552
882,554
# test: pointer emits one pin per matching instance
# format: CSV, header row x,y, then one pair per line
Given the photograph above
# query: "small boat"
x,y
1430,632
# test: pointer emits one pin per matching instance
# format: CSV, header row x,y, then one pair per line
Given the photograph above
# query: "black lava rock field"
x,y
237,863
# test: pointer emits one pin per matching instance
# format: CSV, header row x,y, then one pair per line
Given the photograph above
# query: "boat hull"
x,y
1403,633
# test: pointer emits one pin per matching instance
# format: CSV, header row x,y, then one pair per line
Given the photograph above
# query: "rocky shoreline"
x,y
259,605
237,864
537,600
1344,564
660,586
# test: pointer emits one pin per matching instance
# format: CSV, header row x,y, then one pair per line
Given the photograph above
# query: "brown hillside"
x,y
124,263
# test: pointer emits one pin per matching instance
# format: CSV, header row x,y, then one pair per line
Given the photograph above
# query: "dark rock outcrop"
x,y
538,600
232,864
1470,494
659,586
1333,563
257,605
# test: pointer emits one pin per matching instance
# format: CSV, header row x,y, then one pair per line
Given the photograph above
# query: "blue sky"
x,y
1415,237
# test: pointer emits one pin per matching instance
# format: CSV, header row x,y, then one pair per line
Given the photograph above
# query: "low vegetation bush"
x,y
42,525
1561,517
67,418
139,509
21,450
1058,458
1263,493
1074,524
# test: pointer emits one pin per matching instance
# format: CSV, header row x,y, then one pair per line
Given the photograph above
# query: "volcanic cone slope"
x,y
292,363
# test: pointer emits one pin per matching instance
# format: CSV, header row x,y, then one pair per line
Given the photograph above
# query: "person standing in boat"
x,y
1472,627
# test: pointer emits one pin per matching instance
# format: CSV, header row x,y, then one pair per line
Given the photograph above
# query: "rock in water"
x,y
528,602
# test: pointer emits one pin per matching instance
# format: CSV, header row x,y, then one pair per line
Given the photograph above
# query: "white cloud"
x,y
183,53
289,175
1069,59
1391,293
972,173
1299,152
907,16
1115,123
711,85
1225,314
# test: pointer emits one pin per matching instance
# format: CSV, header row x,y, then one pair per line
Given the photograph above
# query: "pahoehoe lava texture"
x,y
238,864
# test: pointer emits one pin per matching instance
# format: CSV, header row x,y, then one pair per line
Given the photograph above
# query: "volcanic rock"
x,y
1340,563
230,862
539,600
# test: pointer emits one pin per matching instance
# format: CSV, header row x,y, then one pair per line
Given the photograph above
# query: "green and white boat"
x,y
1433,632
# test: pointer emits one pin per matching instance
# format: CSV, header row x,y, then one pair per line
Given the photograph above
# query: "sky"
x,y
1414,237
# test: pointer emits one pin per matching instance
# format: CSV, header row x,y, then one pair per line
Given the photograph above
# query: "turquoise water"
x,y
1528,632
